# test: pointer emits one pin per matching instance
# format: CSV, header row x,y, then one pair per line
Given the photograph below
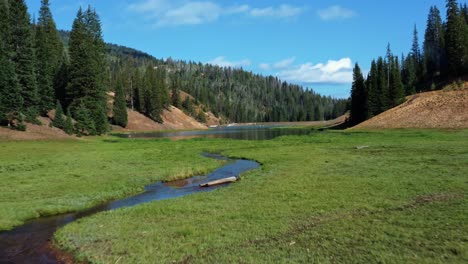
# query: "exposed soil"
x,y
327,123
35,132
438,109
174,119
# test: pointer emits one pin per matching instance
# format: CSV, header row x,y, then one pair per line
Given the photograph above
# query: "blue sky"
x,y
312,43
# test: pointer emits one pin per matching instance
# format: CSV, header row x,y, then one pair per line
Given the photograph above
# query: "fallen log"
x,y
218,182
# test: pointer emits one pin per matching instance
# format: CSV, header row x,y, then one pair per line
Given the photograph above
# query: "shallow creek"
x,y
30,243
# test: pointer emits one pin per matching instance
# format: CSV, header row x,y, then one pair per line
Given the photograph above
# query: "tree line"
x,y
42,68
444,57
232,93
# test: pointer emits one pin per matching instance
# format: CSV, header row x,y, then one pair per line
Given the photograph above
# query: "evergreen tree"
x,y
396,91
86,71
163,94
10,93
61,80
416,60
382,102
84,123
373,89
415,51
359,98
201,117
49,50
24,57
58,122
188,105
454,40
175,95
120,107
68,127
434,44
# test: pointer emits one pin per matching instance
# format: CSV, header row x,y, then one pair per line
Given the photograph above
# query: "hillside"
x,y
438,109
174,119
35,132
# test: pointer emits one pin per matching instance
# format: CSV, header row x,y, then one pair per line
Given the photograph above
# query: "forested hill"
x,y
236,94
76,72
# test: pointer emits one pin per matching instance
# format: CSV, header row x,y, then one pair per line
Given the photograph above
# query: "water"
x,y
235,132
30,243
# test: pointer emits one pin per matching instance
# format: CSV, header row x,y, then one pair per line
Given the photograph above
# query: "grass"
x,y
47,178
316,199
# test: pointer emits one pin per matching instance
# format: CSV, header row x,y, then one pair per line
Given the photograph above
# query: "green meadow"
x,y
322,198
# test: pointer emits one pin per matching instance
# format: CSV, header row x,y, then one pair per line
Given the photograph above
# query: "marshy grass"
x,y
316,198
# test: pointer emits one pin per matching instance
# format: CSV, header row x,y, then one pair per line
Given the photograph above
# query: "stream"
x,y
30,243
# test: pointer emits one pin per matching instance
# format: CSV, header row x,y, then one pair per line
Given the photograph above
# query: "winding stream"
x,y
30,242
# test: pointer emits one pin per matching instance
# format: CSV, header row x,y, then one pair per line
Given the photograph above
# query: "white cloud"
x,y
284,63
187,12
264,66
336,72
335,12
281,11
222,62
150,6
192,13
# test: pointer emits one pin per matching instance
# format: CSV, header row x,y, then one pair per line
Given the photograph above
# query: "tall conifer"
x,y
120,117
87,68
58,122
11,100
359,97
24,57
434,53
49,50
454,39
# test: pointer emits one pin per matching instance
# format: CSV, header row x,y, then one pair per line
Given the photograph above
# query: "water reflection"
x,y
241,133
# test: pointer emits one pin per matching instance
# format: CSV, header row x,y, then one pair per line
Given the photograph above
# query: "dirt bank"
x,y
438,109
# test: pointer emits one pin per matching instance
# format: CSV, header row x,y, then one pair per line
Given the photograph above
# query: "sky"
x,y
314,43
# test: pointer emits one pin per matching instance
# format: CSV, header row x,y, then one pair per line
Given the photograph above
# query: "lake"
x,y
233,132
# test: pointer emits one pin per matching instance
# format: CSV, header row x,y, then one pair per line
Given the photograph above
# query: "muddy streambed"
x,y
30,243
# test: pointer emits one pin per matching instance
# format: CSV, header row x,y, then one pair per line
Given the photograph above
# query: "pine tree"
x,y
188,105
24,57
163,94
58,122
120,107
382,101
61,80
201,116
396,91
434,44
373,89
10,93
175,95
49,50
68,127
359,97
86,71
415,56
415,51
454,39
84,123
